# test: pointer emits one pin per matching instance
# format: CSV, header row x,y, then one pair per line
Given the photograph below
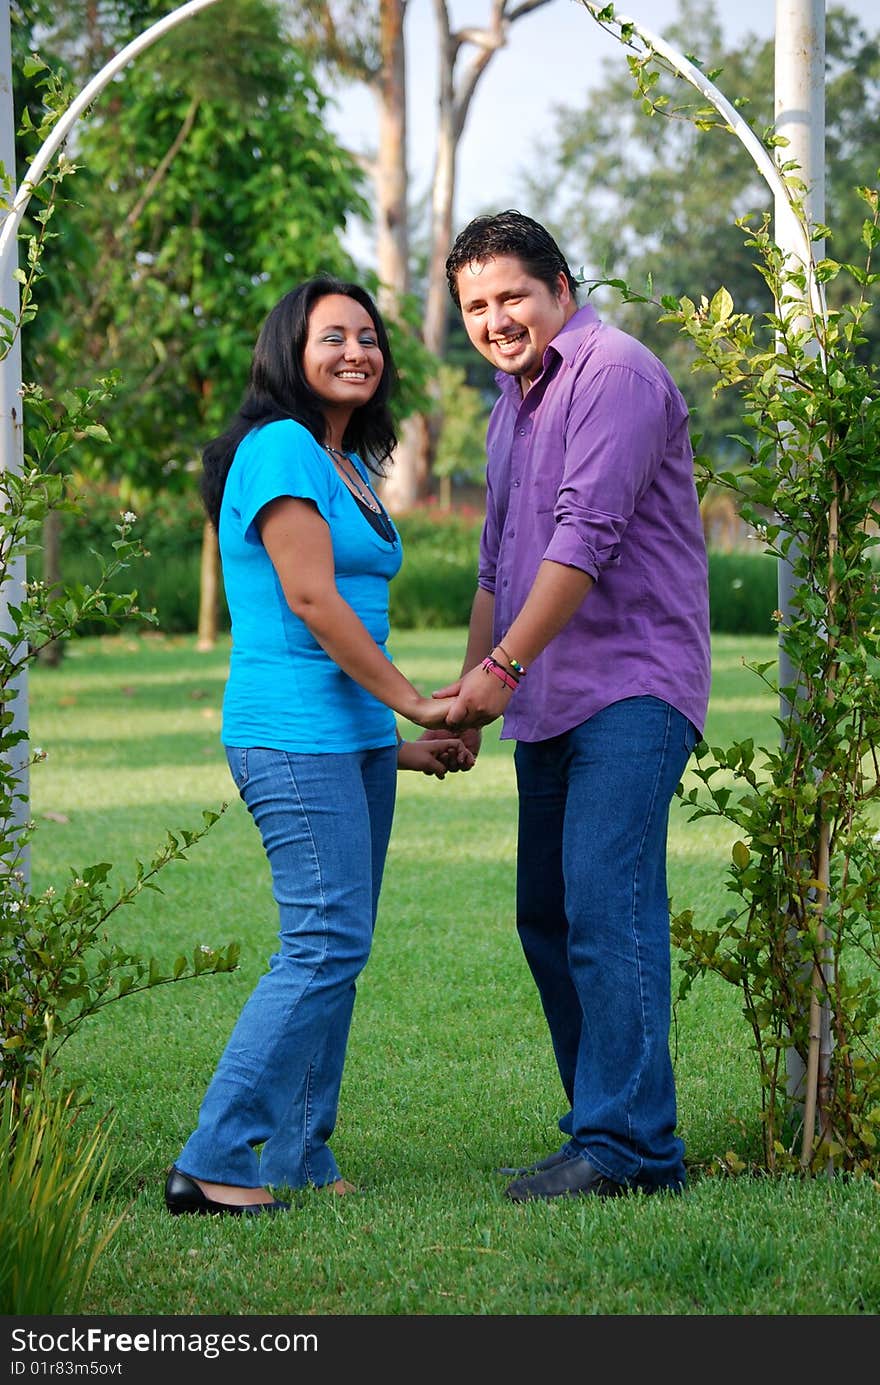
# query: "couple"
x,y
588,636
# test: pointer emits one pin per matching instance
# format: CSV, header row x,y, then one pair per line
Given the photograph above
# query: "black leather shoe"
x,y
550,1161
183,1194
574,1177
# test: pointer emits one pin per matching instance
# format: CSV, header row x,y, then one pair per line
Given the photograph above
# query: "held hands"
x,y
430,712
475,699
435,754
470,739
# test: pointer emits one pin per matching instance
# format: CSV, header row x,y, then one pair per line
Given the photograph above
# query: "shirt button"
x,y
516,483
522,432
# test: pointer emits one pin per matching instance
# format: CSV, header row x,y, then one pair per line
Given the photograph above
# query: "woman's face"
x,y
341,360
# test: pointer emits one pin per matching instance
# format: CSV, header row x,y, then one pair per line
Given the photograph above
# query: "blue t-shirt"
x,y
283,691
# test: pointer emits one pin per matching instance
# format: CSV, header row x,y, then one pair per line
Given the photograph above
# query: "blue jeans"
x,y
325,821
593,919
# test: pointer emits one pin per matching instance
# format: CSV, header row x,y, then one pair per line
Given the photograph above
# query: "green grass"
x,y
449,1072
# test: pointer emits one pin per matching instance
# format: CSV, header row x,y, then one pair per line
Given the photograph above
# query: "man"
x,y
589,635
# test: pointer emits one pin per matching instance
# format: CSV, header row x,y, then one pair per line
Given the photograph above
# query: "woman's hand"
x,y
436,757
429,712
470,739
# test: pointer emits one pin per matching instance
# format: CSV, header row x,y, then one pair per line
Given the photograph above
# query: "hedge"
x,y
434,588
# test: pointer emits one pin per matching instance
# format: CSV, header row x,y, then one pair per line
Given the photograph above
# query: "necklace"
x,y
348,472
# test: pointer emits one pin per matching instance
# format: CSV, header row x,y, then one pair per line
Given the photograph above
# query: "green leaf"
x,y
827,270
722,305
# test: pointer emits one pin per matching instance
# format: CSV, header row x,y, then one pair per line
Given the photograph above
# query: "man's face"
x,y
510,317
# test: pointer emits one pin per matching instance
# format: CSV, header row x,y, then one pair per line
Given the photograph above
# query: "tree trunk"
x,y
209,588
392,249
454,101
345,39
408,480
53,652
450,122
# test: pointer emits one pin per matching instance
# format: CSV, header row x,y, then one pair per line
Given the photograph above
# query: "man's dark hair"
x,y
277,388
508,233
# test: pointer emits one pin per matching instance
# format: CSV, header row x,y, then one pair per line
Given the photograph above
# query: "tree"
x,y
206,190
655,201
366,43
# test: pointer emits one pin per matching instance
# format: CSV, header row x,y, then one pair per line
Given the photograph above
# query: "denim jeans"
x,y
325,821
593,919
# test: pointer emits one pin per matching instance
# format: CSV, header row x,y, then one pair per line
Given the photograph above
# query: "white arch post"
x,y
14,204
12,457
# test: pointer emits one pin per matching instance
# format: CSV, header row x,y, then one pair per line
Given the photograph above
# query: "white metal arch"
x,y
11,435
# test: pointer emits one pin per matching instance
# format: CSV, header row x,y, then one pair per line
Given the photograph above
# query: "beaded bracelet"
x,y
492,666
514,663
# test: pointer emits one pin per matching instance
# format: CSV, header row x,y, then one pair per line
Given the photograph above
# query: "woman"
x,y
309,729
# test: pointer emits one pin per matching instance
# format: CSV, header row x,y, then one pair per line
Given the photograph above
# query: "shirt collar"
x,y
565,345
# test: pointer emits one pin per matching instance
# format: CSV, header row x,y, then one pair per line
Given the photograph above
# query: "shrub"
x,y
59,963
165,575
53,1169
434,588
742,592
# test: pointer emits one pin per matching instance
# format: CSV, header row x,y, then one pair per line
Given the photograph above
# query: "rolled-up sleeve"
x,y
614,442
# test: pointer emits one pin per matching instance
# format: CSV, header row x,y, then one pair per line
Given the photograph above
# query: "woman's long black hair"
x,y
277,388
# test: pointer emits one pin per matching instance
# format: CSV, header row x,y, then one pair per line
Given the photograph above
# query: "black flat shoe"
x,y
183,1194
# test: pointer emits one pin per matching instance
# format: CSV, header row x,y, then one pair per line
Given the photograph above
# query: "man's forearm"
x,y
557,592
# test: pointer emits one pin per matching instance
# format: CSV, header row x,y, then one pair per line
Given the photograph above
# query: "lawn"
x,y
449,1071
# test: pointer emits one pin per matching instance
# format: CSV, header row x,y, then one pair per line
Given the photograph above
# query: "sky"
x,y
553,55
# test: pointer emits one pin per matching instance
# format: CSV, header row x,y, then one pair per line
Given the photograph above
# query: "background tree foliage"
x,y
208,185
206,189
655,201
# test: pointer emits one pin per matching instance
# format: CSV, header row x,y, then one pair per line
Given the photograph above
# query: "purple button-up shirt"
x,y
593,469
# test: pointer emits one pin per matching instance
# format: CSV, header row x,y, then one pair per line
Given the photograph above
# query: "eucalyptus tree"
x,y
655,201
366,42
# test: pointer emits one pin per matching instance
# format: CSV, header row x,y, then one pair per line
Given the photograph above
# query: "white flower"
x,y
129,517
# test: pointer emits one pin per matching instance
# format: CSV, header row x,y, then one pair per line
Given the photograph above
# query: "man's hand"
x,y
478,698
